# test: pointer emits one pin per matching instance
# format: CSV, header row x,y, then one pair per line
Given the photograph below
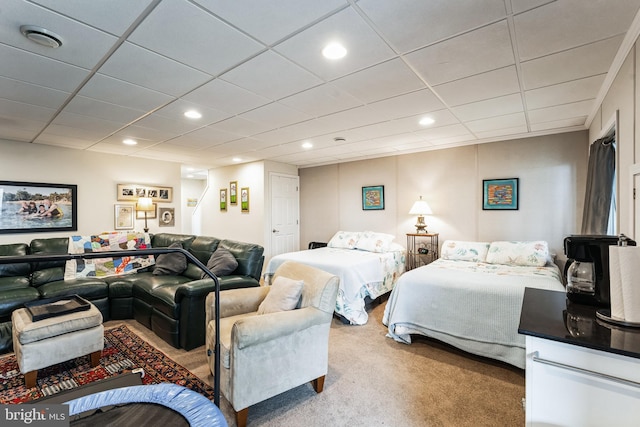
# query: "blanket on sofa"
x,y
108,266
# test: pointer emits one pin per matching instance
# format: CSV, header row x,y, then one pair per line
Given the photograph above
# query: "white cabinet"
x,y
569,385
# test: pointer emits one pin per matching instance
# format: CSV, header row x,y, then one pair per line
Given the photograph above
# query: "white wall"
x,y
191,189
551,170
96,176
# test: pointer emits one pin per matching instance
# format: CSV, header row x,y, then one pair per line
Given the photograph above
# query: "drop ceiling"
x,y
483,70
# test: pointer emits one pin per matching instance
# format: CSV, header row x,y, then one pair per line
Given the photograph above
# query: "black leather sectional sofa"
x,y
171,305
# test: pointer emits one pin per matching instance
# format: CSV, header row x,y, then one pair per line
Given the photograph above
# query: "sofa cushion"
x,y
283,295
164,240
221,263
87,288
248,255
172,263
202,248
14,270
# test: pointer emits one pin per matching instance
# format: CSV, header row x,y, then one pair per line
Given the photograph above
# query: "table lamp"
x,y
145,204
420,208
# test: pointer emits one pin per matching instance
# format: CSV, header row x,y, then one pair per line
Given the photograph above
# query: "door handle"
x,y
275,231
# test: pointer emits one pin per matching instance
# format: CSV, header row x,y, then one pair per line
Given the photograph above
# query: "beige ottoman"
x,y
55,340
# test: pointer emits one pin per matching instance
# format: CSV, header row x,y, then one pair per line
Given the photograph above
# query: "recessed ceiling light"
x,y
129,141
192,114
41,36
334,51
307,145
427,121
237,159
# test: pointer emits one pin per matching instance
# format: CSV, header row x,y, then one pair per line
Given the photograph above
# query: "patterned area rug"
x,y
123,350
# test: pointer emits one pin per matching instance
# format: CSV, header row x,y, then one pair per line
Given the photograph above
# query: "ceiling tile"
x,y
100,126
364,46
15,90
18,110
225,96
275,115
489,108
500,122
404,23
103,110
208,136
239,126
564,93
321,100
584,61
410,104
271,21
568,24
175,111
81,45
31,68
559,124
472,53
520,6
109,89
480,87
114,16
381,81
561,112
50,137
203,33
494,133
147,69
444,132
170,127
277,76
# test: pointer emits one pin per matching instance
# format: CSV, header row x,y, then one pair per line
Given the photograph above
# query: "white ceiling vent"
x,y
41,36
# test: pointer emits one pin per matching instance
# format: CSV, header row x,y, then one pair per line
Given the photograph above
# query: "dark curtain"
x,y
600,176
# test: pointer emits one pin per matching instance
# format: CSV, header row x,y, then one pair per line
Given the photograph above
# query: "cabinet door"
x,y
573,386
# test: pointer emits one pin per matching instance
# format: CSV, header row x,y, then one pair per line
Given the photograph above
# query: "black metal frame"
x,y
28,259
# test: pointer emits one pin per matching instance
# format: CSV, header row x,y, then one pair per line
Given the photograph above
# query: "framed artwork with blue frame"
x,y
500,194
373,198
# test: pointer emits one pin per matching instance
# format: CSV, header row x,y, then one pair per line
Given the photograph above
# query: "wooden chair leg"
x,y
30,379
95,358
241,417
318,384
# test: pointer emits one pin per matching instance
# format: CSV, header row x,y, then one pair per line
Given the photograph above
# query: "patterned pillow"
x,y
529,254
464,251
344,240
374,242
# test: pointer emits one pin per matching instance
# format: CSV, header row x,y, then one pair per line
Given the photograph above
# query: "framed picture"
x,y
244,199
167,217
131,192
150,214
500,194
223,199
233,192
192,202
123,216
373,198
30,207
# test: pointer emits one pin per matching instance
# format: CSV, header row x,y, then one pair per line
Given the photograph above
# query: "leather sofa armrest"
x,y
260,329
195,289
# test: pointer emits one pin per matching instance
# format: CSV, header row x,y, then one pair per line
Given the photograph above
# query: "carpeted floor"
x,y
375,381
123,350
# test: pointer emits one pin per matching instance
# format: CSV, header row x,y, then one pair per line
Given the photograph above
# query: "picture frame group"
x,y
32,207
132,192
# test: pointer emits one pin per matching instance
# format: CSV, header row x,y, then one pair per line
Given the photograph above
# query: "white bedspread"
x,y
472,306
361,274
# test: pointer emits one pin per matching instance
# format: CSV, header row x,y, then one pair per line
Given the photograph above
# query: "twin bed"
x,y
367,263
472,296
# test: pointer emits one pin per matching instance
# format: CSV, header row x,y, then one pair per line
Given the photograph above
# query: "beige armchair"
x,y
263,355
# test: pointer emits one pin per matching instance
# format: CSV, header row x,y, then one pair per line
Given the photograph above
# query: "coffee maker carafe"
x,y
587,268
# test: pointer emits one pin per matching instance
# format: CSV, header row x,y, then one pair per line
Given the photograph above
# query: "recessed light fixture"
x,y
307,145
41,36
192,114
334,51
339,139
129,141
237,159
426,121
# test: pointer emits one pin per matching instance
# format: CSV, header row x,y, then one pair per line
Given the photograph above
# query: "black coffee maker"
x,y
587,268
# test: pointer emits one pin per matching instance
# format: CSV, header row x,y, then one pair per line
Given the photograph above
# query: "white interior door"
x,y
285,217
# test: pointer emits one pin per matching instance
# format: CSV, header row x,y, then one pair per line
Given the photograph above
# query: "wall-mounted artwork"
x,y
244,199
123,216
373,198
223,199
29,207
233,192
167,217
192,202
132,192
500,194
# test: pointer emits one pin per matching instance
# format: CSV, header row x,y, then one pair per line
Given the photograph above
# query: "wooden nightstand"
x,y
422,248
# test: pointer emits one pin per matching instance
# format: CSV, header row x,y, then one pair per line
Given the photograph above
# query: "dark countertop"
x,y
550,315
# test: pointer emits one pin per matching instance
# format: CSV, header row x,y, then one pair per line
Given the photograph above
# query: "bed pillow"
x,y
171,264
344,240
528,254
283,295
464,251
221,263
374,242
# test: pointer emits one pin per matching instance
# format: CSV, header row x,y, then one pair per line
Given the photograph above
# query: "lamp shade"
x,y
420,207
144,204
